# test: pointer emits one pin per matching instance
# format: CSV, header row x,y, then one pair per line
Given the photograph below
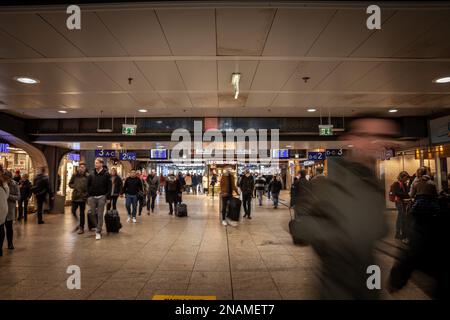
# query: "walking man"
x,y
78,182
247,185
153,188
131,188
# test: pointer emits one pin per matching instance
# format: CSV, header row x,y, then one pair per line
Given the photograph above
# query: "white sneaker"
x,y
98,236
134,220
224,223
128,219
233,223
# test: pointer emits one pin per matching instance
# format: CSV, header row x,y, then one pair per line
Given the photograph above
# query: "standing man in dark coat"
x,y
78,182
247,185
41,188
173,191
25,195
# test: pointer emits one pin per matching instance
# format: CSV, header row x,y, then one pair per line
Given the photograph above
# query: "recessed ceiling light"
x,y
350,146
393,110
311,110
442,80
62,111
26,80
288,146
99,146
142,110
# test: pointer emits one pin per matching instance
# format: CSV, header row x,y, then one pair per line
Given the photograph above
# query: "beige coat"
x,y
4,194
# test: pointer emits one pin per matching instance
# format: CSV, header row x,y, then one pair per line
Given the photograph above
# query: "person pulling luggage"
x,y
173,191
227,186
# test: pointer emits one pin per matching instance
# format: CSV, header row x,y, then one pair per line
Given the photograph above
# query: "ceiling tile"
x,y
121,71
176,100
35,32
199,75
138,31
162,75
242,32
227,68
189,32
272,75
259,99
93,39
316,71
227,100
294,31
204,100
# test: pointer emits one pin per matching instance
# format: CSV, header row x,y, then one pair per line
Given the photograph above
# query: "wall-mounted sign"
x,y
313,156
158,154
129,129
308,163
440,130
73,157
105,153
124,156
325,130
280,153
334,152
4,147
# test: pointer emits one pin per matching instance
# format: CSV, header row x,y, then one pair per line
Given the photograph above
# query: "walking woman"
x,y
25,195
4,193
116,189
14,196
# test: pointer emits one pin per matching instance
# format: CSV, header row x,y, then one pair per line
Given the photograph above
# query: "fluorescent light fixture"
x,y
312,110
235,78
142,110
26,80
393,110
62,111
442,80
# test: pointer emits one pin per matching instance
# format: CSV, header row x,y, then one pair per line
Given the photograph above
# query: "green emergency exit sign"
x,y
326,130
129,129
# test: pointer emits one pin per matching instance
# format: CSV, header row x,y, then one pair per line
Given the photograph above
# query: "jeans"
x,y
275,198
97,207
400,225
82,206
40,207
151,198
23,209
247,204
259,194
113,202
194,189
225,200
131,200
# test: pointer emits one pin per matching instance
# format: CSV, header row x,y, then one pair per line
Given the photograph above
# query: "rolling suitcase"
x,y
234,209
112,221
181,210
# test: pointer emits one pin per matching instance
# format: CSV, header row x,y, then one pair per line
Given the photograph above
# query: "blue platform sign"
x,y
158,154
4,147
127,156
105,153
73,157
313,156
334,152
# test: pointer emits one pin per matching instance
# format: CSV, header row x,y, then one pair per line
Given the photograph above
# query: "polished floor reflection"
x,y
161,254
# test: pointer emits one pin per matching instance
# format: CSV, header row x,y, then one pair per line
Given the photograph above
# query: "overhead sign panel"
x,y
105,153
160,154
127,156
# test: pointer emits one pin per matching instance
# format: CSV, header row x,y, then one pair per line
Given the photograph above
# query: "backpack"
x,y
392,196
172,185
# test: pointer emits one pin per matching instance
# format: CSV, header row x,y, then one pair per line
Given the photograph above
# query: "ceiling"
x,y
181,60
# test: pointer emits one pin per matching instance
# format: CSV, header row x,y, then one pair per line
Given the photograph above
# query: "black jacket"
x,y
132,186
275,186
247,184
41,186
25,189
172,195
99,183
78,183
116,187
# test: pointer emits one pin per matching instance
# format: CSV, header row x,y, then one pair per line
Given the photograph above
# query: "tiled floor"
x,y
166,255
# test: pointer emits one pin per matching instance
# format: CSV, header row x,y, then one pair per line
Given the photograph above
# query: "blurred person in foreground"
x,y
342,218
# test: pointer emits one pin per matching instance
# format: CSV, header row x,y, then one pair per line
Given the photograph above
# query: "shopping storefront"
x,y
15,159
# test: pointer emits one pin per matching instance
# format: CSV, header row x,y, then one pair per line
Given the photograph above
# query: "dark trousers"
x,y
113,202
40,207
23,209
225,200
142,203
151,198
2,236
401,223
247,203
82,206
9,232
